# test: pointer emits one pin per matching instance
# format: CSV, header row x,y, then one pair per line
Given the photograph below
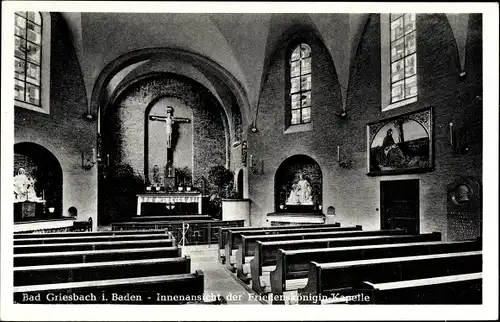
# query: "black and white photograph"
x,y
249,161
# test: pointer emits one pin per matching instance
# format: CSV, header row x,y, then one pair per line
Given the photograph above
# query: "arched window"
x,y
28,57
403,56
399,59
300,85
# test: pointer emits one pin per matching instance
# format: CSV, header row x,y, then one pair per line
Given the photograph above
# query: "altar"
x,y
169,198
26,210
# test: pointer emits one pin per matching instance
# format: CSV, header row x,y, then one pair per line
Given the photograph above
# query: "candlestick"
x,y
451,134
338,153
251,160
107,160
93,155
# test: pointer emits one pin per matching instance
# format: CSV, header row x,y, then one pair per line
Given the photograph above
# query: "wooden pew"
x,y
63,247
199,232
326,279
266,253
80,239
227,236
294,264
235,237
176,289
224,232
170,218
89,256
453,289
94,233
61,273
249,243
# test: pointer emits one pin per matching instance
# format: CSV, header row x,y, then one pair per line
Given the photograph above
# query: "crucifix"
x,y
170,121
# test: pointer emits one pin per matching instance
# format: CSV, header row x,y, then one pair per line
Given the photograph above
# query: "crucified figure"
x,y
169,120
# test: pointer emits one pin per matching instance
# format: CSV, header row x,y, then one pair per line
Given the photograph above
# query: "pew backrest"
x,y
46,274
235,237
451,289
88,256
44,248
248,243
80,239
93,233
324,278
292,264
144,288
224,231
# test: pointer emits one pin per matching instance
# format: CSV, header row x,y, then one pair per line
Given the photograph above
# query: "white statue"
x,y
301,193
24,187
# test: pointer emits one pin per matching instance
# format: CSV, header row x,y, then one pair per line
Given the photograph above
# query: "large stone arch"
x,y
223,82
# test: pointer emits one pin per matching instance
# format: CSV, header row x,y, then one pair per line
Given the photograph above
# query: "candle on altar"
x,y
338,153
93,155
107,160
451,133
251,160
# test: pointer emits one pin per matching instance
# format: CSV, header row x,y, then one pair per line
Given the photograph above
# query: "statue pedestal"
x,y
289,218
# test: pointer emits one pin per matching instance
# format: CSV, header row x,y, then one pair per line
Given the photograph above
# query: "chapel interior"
x,y
197,153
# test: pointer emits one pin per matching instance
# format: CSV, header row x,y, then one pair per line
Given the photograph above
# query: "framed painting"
x,y
401,144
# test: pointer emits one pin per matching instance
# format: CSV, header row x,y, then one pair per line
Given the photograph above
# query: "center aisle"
x,y
217,279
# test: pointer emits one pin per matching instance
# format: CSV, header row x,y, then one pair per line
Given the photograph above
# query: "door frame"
x,y
382,205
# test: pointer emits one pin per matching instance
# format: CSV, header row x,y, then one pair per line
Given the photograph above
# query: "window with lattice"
x,y
403,56
28,57
300,85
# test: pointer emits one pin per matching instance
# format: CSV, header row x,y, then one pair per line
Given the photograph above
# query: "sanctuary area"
x,y
247,158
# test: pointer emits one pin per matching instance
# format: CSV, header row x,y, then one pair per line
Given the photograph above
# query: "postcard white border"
x,y
489,310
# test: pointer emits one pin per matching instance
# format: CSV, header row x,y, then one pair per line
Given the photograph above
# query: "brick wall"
x,y
356,196
124,131
64,132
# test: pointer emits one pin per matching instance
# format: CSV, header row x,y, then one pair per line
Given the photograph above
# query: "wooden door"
x,y
399,202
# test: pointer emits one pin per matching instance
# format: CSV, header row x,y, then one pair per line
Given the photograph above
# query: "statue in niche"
x,y
24,187
301,193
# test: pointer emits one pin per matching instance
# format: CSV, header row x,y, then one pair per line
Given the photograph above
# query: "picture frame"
x,y
401,144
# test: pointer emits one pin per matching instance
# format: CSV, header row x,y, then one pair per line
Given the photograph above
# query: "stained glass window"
x,y
28,57
403,56
300,85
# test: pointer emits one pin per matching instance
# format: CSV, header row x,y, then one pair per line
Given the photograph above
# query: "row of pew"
x,y
111,267
330,264
187,229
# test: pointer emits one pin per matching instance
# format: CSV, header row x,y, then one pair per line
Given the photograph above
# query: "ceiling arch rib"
x,y
158,65
107,36
206,72
459,23
246,34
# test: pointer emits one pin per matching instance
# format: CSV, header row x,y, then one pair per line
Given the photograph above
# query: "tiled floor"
x,y
217,279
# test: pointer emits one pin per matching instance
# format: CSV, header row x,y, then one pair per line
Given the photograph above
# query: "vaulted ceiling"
x,y
241,43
